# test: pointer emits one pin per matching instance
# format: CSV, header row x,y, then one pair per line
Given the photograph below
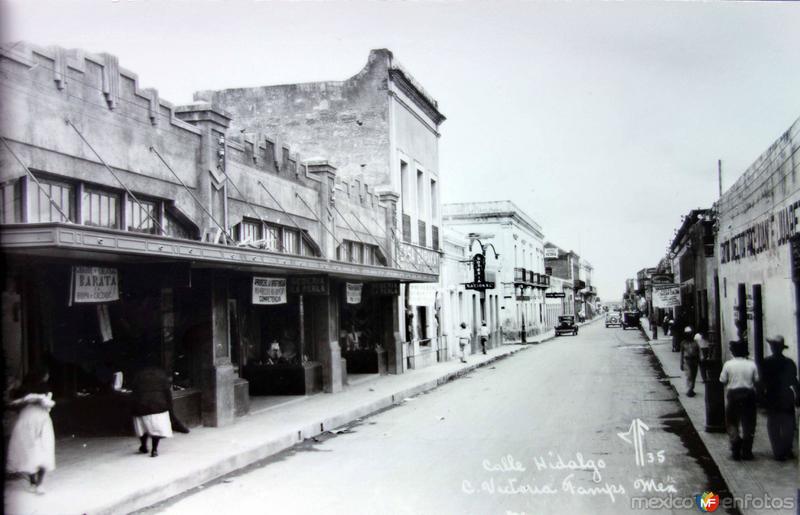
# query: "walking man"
x,y
780,388
690,359
464,337
705,354
740,375
484,334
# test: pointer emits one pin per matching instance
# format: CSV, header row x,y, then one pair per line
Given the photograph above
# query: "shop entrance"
x,y
363,329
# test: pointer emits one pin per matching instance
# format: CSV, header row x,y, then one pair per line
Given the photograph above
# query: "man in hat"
x,y
780,389
690,359
740,375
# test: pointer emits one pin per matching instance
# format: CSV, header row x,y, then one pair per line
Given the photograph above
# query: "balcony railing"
x,y
421,234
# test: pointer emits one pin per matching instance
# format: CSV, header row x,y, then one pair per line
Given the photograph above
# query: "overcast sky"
x,y
603,121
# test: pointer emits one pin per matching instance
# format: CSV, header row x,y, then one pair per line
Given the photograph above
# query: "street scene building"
x,y
254,263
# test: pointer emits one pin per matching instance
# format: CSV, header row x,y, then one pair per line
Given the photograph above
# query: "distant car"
x,y
566,325
613,318
630,319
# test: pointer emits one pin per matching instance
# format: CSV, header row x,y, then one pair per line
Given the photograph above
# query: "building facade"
x,y
518,240
381,130
137,232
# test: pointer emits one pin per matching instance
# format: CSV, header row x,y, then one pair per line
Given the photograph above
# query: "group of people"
x,y
31,447
774,383
465,336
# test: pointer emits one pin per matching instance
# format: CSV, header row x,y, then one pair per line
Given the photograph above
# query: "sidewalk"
x,y
758,478
107,475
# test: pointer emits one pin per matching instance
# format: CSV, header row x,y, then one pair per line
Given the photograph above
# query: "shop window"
x,y
39,207
249,231
306,249
369,255
99,208
290,241
140,217
355,252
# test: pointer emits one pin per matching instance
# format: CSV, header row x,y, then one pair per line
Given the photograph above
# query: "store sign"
x,y
667,296
422,294
662,279
385,288
92,284
479,268
551,253
269,290
795,252
555,295
480,286
308,285
353,292
768,232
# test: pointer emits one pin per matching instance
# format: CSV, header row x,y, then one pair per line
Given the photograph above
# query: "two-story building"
x,y
379,127
136,232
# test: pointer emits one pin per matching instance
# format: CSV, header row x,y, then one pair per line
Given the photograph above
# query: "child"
x,y
31,449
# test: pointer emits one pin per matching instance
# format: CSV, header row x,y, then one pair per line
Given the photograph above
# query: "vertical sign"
x,y
479,268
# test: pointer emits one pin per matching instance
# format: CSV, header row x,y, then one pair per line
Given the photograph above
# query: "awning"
x,y
83,242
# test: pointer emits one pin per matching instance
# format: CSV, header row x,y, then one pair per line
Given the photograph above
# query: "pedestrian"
x,y
740,375
665,325
690,359
780,389
674,330
32,447
464,337
484,334
705,354
152,403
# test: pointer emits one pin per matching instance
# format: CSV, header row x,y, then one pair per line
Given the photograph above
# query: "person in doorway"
x,y
352,338
740,375
464,337
484,335
705,354
690,360
31,449
152,402
780,389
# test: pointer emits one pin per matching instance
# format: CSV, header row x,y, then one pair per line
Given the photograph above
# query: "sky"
x,y
603,121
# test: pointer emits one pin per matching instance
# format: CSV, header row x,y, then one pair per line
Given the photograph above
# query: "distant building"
x,y
518,240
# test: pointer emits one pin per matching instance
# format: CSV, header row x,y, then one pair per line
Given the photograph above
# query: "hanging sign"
x,y
555,295
308,285
353,292
551,253
94,284
480,286
479,268
422,294
667,296
269,290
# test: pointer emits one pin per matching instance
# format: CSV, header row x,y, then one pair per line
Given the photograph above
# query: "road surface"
x,y
580,424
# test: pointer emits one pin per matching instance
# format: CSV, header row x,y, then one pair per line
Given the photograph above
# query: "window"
x,y
290,241
434,201
39,207
305,248
249,230
404,188
10,203
139,218
99,208
355,252
173,227
272,238
420,194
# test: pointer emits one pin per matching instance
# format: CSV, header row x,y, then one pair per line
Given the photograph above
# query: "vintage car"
x,y
630,319
613,318
566,325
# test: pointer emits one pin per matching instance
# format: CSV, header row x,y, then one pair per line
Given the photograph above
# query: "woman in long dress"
x,y
31,449
152,402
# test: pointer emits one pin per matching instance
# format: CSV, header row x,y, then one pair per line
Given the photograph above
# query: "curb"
x,y
150,496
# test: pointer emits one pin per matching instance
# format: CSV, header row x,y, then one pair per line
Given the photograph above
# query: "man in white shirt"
x,y
484,334
464,335
740,376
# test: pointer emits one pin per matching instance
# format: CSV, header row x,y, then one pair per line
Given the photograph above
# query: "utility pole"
x,y
719,176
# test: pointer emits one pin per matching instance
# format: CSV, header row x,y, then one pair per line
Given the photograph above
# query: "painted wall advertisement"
x,y
269,290
666,296
353,293
94,284
422,294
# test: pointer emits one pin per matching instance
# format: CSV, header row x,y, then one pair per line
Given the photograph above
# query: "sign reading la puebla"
x,y
417,259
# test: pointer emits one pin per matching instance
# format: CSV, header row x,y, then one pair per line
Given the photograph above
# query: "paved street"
x,y
537,432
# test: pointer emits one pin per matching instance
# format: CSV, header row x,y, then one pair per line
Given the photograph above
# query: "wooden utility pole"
x,y
719,176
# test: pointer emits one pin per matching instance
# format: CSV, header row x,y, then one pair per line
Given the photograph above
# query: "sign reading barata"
x,y
94,284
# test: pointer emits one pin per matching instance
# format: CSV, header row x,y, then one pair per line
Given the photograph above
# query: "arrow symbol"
x,y
635,436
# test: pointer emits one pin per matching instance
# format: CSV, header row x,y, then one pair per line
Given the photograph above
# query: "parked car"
x,y
566,325
630,319
613,318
